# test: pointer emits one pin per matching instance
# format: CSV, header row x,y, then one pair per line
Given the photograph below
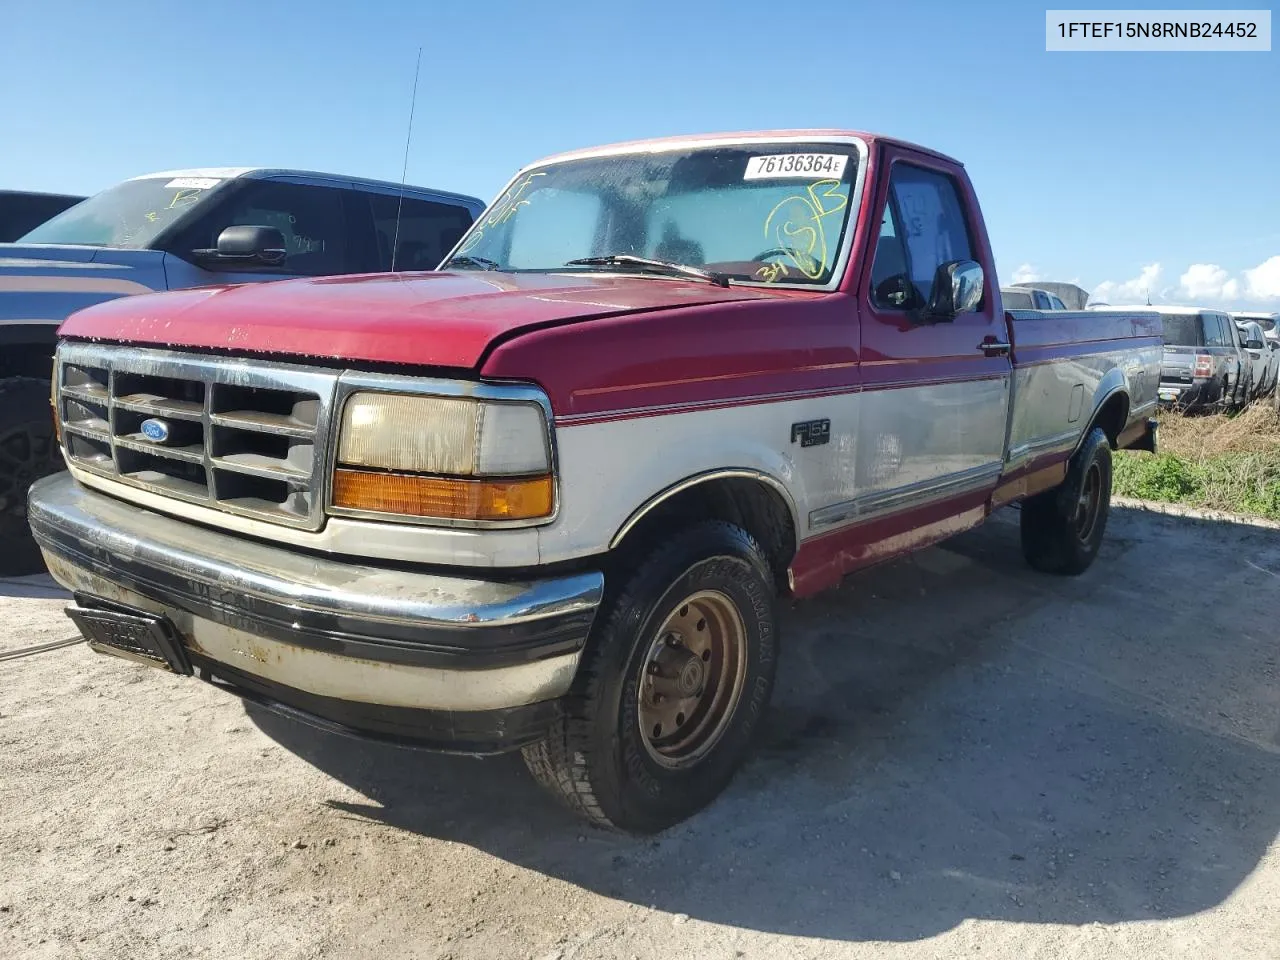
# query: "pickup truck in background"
x,y
548,497
24,210
1072,296
1024,297
168,231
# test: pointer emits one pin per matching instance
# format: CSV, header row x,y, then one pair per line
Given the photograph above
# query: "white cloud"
x,y
1026,274
1264,280
1201,284
1130,291
1208,281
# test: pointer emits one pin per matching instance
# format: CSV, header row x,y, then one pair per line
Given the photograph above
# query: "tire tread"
x,y
562,762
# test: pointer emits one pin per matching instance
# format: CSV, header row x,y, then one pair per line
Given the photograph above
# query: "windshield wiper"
x,y
664,266
467,261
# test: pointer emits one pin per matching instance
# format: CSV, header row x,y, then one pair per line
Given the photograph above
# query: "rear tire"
x,y
1062,528
672,685
28,451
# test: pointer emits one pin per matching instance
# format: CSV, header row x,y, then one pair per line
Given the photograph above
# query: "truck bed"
x,y
1067,367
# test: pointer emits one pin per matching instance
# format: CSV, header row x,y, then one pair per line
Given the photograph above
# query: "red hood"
x,y
429,319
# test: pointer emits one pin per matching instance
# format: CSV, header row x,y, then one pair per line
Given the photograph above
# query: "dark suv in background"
x,y
24,210
1204,363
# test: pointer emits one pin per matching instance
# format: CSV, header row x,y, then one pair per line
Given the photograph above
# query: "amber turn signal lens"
x,y
442,497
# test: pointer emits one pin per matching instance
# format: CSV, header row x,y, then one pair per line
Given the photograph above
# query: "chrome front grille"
x,y
244,436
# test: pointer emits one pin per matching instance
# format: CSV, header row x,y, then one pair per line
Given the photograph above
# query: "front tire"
x,y
1062,528
672,685
28,451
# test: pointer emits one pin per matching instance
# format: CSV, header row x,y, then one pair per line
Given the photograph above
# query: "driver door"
x,y
935,399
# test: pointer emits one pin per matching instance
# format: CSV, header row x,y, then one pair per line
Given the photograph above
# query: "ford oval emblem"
x,y
157,431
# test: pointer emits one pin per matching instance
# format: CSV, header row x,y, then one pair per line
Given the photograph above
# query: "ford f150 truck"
x,y
184,228
547,497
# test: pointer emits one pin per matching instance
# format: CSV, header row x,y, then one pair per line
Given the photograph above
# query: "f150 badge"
x,y
811,433
157,431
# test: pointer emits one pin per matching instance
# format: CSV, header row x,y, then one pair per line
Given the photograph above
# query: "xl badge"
x,y
157,431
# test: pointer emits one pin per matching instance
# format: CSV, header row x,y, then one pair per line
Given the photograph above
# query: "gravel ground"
x,y
964,758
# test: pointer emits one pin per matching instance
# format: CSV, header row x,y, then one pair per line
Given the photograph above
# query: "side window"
x,y
428,230
929,229
308,217
1042,301
890,283
1228,337
1055,303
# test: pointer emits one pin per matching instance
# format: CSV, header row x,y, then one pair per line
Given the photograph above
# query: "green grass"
x,y
1246,483
1222,463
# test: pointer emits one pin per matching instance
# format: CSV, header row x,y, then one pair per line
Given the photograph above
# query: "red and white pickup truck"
x,y
546,498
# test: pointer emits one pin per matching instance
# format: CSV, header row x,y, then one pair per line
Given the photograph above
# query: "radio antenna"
x,y
404,172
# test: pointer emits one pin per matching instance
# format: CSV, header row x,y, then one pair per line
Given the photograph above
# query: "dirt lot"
x,y
964,759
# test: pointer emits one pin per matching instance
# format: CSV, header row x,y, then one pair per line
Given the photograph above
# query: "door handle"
x,y
994,348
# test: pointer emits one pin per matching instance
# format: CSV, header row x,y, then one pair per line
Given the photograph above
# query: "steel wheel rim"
x,y
692,679
1086,516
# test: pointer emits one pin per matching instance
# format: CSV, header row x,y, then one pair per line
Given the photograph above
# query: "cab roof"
x,y
657,144
264,173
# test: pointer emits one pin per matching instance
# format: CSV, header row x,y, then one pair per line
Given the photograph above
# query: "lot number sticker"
x,y
783,165
192,183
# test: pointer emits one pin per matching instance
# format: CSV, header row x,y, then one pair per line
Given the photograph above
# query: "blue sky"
x,y
1092,167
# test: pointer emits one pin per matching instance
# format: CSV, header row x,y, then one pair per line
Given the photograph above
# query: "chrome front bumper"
x,y
382,650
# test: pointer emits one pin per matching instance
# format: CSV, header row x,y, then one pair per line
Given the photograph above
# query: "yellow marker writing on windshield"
x,y
797,227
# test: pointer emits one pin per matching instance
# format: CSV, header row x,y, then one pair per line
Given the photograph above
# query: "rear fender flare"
x,y
1113,384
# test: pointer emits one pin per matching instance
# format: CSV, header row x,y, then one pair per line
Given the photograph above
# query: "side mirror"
x,y
957,289
247,244
1254,344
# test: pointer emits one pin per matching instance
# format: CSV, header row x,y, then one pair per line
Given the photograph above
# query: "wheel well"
x,y
1111,417
27,351
751,504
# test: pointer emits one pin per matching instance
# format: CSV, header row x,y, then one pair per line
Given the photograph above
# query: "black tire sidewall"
x,y
1096,450
24,408
637,792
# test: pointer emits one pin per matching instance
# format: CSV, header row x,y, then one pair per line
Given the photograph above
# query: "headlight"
x,y
448,458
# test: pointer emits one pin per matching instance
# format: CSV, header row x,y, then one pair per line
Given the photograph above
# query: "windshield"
x,y
1182,330
130,214
765,213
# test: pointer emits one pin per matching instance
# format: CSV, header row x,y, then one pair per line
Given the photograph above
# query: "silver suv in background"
x,y
1205,365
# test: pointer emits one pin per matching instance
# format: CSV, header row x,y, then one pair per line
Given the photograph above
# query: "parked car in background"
x,y
1074,297
1204,364
24,210
185,228
1254,342
548,498
1019,297
1269,322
